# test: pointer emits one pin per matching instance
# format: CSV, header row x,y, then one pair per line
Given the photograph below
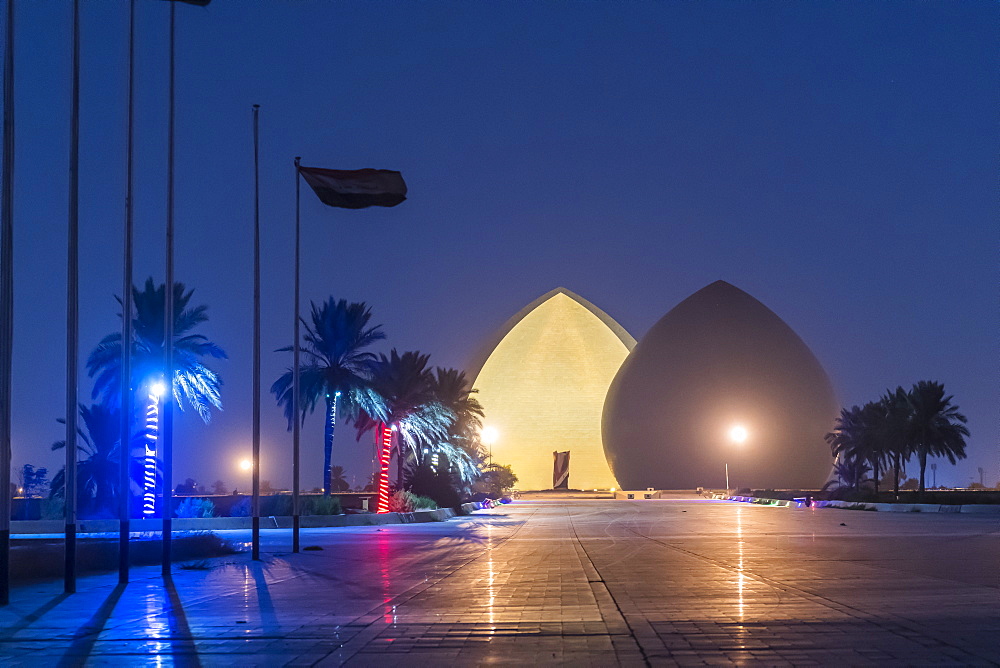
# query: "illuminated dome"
x,y
719,380
542,386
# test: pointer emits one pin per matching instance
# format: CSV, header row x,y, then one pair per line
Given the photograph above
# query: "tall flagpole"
x,y
166,447
6,301
72,311
125,430
296,423
255,549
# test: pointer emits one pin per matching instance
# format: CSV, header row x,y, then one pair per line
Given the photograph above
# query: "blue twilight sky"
x,y
836,160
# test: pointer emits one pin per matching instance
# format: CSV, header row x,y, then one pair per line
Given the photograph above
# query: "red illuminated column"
x,y
383,476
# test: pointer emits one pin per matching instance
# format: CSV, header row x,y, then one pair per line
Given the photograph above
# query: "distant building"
x,y
542,381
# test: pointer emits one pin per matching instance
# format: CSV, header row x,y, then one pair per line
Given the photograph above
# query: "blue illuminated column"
x,y
156,390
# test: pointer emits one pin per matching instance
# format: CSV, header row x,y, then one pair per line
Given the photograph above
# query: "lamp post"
x,y
245,466
489,436
738,435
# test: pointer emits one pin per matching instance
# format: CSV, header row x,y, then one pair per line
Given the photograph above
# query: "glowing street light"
x,y
246,464
738,434
157,388
489,436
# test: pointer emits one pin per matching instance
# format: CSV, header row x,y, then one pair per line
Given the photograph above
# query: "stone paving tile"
x,y
671,583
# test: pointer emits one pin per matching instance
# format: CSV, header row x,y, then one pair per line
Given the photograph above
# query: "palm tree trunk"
x,y
895,480
875,468
331,424
399,463
923,467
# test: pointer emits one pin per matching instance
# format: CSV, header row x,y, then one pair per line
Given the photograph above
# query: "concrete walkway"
x,y
584,582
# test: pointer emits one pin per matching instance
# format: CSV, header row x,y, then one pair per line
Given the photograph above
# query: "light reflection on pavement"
x,y
541,581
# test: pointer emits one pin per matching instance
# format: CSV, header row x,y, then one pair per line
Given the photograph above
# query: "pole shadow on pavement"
x,y
86,636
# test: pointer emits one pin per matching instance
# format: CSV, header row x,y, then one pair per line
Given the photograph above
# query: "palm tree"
x,y
337,365
850,469
404,397
856,443
337,481
892,430
97,470
452,388
193,381
847,443
936,427
462,450
870,445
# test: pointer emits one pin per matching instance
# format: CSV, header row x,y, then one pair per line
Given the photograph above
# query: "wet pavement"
x,y
582,582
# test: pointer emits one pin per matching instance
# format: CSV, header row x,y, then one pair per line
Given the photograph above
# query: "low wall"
x,y
25,527
992,509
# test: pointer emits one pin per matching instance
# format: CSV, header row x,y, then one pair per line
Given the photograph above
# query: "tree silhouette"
x,y
193,381
336,369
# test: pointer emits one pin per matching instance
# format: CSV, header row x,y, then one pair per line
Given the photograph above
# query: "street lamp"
x,y
489,436
245,465
157,388
738,435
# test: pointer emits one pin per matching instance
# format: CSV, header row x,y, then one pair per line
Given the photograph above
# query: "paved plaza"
x,y
544,581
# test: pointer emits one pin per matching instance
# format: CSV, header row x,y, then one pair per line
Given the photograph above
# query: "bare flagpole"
x,y
296,423
125,430
255,548
6,301
72,312
166,447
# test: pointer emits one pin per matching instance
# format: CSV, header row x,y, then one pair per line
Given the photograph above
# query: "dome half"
x,y
542,387
718,362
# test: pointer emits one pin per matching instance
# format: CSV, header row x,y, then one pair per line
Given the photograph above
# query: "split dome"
x,y
563,375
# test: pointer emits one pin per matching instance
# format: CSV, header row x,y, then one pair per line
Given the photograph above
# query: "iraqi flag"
x,y
355,188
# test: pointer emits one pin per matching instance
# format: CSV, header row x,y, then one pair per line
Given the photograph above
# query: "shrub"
x,y
51,509
321,505
407,502
241,508
276,505
195,507
424,503
401,502
438,485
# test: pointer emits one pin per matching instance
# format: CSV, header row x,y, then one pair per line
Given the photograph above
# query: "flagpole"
x,y
72,312
255,549
125,429
6,302
166,447
295,369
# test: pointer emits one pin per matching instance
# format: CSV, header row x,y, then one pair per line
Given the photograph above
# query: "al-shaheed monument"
x,y
561,375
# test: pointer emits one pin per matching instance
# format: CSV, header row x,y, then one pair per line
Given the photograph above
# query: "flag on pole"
x,y
356,188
